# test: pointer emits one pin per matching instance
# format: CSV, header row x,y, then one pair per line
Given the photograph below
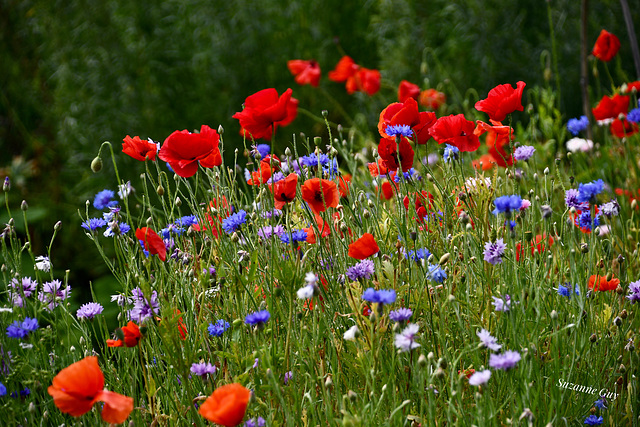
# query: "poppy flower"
x,y
457,131
264,111
80,385
600,283
422,202
610,107
386,190
431,99
284,191
323,228
152,242
368,81
485,162
423,129
183,151
541,243
623,128
408,90
606,47
227,405
343,184
139,149
497,140
261,176
364,247
320,194
214,221
305,72
632,87
398,114
394,159
345,71
501,101
131,336
378,168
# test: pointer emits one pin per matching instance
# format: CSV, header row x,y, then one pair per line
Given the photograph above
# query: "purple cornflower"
x,y
502,304
400,315
233,222
259,318
571,200
269,214
592,420
634,292
406,340
524,152
287,377
493,251
610,209
479,378
383,296
92,224
403,130
255,422
436,273
104,199
203,369
268,231
52,294
588,192
218,328
601,403
488,341
504,361
362,270
575,126
89,310
23,289
143,308
506,204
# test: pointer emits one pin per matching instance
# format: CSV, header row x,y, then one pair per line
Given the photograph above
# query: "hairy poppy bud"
x,y
96,164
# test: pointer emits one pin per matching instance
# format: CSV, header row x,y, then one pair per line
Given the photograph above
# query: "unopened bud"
x,y
442,362
444,258
352,395
634,204
24,206
328,383
546,171
235,238
57,225
96,164
593,338
178,202
7,184
584,248
617,321
554,314
422,361
220,130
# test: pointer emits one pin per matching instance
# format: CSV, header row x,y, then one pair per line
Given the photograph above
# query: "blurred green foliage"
x,y
76,73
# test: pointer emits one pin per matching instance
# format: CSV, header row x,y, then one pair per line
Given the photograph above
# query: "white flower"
x,y
405,341
473,183
311,278
579,144
351,333
43,263
479,378
306,292
125,189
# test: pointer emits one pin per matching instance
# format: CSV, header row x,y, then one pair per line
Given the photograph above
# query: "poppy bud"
x,y
422,361
178,202
554,315
220,130
584,248
160,190
57,225
546,171
352,395
624,314
593,338
442,362
444,258
619,290
24,206
617,321
366,214
96,164
609,276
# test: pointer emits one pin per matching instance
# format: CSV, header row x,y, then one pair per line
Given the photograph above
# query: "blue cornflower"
x,y
436,273
258,318
166,232
406,176
92,224
263,149
104,199
295,236
362,270
3,390
506,204
116,229
218,328
450,153
187,220
232,223
575,126
383,296
401,314
634,115
592,420
601,403
524,152
404,130
565,291
418,254
331,168
314,161
584,220
587,192
20,330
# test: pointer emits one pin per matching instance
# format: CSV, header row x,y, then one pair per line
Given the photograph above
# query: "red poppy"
x,y
364,247
284,191
606,47
139,149
394,159
343,184
378,168
541,243
306,72
408,90
183,151
323,228
498,142
214,221
423,129
345,70
80,385
456,131
368,81
431,99
632,87
320,194
602,284
623,128
386,190
261,176
227,405
610,107
264,111
398,114
131,336
501,101
422,202
628,193
152,242
485,162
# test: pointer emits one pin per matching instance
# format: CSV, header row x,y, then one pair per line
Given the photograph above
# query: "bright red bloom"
x,y
394,159
386,190
368,81
152,242
343,184
610,107
423,129
623,128
606,47
431,99
485,162
131,334
183,151
632,87
364,247
498,142
227,405
501,101
408,90
261,176
357,78
80,385
398,114
264,111
284,191
456,131
323,228
306,72
600,283
139,149
320,194
423,202
378,168
541,243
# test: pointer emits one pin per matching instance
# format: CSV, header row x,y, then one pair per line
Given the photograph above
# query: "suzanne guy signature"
x,y
587,389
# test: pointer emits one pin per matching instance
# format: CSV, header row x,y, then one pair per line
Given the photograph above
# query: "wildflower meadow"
x,y
444,264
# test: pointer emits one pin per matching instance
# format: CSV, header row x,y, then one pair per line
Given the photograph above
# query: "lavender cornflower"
x,y
104,199
233,222
218,328
270,214
143,307
571,200
479,378
23,289
43,263
403,130
268,231
493,251
593,420
92,224
488,341
610,209
588,192
259,318
383,296
406,340
502,304
52,294
507,204
400,315
634,292
89,310
504,361
575,126
287,377
362,270
203,369
436,273
524,152
255,422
